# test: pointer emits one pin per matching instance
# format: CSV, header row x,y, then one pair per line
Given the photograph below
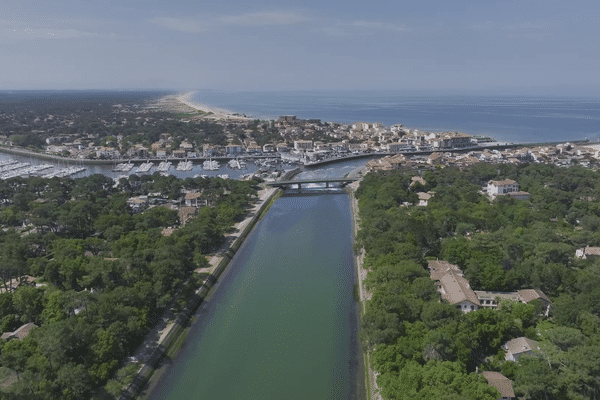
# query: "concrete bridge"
x,y
288,184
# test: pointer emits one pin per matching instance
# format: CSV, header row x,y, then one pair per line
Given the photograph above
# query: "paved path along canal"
x,y
282,321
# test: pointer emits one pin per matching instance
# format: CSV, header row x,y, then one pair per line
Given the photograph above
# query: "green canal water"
x,y
282,322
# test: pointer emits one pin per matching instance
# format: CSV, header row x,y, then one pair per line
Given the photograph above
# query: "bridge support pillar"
x,y
326,184
299,186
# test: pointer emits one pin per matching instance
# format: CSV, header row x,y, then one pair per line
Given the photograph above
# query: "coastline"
x,y
182,102
373,391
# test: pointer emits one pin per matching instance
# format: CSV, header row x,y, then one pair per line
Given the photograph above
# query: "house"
x,y
138,151
519,195
20,333
195,200
137,204
416,179
161,153
587,252
211,150
489,299
185,145
500,382
269,148
107,152
23,280
187,213
423,199
527,295
452,286
156,145
518,347
435,158
253,148
282,147
179,153
234,149
497,188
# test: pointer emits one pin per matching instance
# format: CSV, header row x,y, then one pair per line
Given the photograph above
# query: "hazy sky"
x,y
528,45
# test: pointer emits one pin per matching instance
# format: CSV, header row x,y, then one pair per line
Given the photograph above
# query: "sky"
x,y
524,46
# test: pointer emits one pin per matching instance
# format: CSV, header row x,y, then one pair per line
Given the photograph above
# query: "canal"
x,y
282,322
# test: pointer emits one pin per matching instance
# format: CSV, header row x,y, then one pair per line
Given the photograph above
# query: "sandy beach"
x,y
182,102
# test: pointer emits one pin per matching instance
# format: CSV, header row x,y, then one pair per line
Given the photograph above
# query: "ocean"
x,y
518,119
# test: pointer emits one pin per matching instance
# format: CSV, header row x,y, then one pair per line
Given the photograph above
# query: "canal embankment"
x,y
359,253
173,334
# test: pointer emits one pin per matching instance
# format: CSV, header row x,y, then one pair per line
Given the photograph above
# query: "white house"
x,y
587,252
496,188
423,198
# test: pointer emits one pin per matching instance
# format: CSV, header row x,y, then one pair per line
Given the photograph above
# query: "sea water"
x,y
518,119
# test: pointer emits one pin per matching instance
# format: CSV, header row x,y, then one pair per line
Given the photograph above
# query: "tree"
x,y
379,327
28,303
435,380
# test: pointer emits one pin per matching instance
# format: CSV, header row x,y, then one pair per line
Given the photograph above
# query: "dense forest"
x,y
423,348
27,120
104,274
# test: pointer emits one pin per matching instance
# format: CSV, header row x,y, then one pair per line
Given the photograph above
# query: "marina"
x,y
164,166
211,165
184,166
145,167
123,167
14,166
64,172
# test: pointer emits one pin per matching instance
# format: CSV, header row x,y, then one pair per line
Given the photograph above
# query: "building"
x,y
107,152
498,188
161,153
587,252
519,195
234,149
518,347
527,295
269,148
138,151
195,200
282,147
452,286
423,199
180,153
20,333
500,382
416,179
137,204
186,146
489,299
398,147
253,148
303,145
